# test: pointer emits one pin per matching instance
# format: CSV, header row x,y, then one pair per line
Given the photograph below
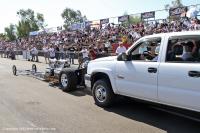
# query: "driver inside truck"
x,y
157,49
153,51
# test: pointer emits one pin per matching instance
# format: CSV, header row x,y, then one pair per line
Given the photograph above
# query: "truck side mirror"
x,y
122,57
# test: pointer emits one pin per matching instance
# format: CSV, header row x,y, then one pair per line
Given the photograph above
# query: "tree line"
x,y
30,21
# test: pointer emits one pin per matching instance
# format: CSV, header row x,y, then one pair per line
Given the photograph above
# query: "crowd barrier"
x,y
65,54
40,53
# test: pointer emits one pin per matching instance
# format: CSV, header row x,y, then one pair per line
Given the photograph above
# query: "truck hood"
x,y
110,58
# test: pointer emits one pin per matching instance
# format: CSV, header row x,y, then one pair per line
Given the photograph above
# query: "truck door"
x,y
137,77
179,73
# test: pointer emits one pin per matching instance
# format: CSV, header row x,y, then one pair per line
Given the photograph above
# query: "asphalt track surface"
x,y
28,105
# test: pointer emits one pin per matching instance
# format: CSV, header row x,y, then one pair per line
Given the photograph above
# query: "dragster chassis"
x,y
68,78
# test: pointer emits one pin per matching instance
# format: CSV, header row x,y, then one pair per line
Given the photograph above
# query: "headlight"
x,y
88,68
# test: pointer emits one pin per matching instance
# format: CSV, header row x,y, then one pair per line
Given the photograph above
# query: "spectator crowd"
x,y
90,43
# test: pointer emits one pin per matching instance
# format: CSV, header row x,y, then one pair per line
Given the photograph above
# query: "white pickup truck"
x,y
160,68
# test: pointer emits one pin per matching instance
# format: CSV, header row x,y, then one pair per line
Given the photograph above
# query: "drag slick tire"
x,y
14,70
34,68
102,93
68,81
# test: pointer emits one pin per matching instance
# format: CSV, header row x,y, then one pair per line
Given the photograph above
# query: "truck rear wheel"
x,y
102,93
68,81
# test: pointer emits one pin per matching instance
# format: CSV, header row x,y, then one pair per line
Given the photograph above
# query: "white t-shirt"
x,y
34,51
120,50
45,49
85,53
44,41
107,44
61,49
66,39
51,52
76,40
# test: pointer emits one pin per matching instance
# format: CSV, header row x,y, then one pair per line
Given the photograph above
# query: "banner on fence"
x,y
77,26
123,18
147,15
177,11
104,21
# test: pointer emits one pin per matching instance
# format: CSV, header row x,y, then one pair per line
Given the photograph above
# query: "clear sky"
x,y
93,9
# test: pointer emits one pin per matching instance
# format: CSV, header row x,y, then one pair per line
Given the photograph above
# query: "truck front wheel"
x,y
102,93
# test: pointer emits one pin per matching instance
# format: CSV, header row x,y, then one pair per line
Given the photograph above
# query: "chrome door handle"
x,y
195,74
120,77
152,70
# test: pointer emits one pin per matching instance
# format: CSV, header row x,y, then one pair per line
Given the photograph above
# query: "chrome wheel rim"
x,y
100,93
64,80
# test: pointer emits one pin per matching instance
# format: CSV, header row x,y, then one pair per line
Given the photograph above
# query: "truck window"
x,y
183,49
147,50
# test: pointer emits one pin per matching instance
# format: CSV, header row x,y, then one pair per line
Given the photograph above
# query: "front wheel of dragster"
x,y
68,81
34,68
14,70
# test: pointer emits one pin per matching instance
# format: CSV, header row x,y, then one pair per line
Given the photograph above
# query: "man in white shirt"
x,y
85,53
46,53
120,49
62,52
34,53
52,52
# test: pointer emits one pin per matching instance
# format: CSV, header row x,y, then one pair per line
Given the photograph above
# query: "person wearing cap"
x,y
120,49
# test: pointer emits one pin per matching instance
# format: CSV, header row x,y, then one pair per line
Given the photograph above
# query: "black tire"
x,y
34,68
100,100
71,82
14,70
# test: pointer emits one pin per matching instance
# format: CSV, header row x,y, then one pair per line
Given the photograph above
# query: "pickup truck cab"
x,y
161,68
